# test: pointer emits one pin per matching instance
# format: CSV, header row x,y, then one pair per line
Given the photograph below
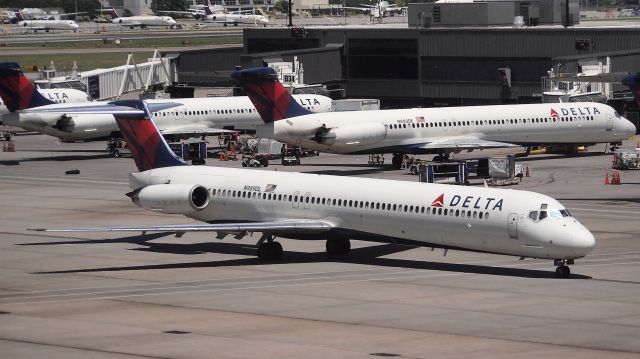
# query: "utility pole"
x,y
290,14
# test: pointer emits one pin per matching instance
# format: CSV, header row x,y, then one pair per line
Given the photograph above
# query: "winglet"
x,y
633,81
267,94
16,91
147,146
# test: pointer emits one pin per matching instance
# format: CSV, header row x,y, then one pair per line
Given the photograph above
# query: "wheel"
x,y
244,164
336,247
270,251
265,163
396,161
115,153
413,170
563,272
275,251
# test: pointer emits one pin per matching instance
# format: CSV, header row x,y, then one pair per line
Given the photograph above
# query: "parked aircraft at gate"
x,y
337,209
193,116
429,130
234,18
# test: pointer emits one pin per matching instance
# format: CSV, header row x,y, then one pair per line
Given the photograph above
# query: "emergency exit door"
x,y
513,225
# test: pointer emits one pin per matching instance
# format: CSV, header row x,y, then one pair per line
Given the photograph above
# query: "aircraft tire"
x,y
563,272
270,251
396,160
336,247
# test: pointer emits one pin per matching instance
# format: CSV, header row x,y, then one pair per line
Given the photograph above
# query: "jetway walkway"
x,y
111,83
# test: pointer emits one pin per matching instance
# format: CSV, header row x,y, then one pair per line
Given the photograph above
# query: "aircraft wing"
x,y
195,130
466,142
280,226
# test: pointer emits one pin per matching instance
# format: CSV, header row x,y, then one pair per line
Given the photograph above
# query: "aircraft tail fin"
x,y
19,16
633,82
16,91
267,94
148,148
207,9
114,14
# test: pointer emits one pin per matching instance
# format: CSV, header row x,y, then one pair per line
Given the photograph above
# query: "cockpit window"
x,y
543,215
565,213
533,215
617,114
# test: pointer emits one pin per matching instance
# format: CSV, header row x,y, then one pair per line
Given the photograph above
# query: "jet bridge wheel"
x,y
270,251
563,272
336,247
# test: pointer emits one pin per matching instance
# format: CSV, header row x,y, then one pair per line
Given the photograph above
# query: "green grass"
x,y
64,62
137,43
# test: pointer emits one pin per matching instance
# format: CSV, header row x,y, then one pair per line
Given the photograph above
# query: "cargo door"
x,y
609,126
513,225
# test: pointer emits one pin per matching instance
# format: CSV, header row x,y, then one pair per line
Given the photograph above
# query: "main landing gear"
x,y
563,270
268,249
397,159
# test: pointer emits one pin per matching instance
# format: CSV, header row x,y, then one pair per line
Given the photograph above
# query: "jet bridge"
x,y
111,83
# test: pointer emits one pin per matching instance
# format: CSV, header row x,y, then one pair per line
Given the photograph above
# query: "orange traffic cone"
x,y
606,178
616,178
526,172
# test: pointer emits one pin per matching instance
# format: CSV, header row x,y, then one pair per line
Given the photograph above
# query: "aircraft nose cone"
x,y
583,241
630,129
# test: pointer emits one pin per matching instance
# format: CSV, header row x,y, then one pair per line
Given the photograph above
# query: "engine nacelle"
x,y
347,135
171,198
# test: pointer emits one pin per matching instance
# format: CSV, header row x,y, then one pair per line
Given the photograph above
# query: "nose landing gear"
x,y
563,270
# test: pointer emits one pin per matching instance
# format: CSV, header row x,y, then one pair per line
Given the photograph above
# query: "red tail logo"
x,y
438,202
554,113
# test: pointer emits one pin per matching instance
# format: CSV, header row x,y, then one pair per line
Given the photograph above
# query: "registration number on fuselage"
x,y
252,188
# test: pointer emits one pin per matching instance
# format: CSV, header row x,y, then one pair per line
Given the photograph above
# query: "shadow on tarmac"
x,y
370,255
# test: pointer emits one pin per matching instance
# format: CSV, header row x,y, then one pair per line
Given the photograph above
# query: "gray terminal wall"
x,y
424,66
491,13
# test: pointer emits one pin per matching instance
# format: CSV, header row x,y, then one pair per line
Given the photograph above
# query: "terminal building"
x,y
421,66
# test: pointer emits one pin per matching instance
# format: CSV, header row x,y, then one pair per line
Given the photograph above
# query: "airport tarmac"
x,y
112,296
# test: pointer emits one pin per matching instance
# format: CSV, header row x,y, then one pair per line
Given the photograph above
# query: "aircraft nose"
x,y
583,241
630,128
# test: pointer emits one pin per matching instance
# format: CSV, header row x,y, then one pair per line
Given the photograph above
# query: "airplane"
x,y
193,116
336,208
197,11
235,18
46,25
142,21
381,9
440,131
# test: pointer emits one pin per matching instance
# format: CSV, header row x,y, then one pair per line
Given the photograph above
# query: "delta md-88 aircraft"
x,y
337,209
194,116
429,130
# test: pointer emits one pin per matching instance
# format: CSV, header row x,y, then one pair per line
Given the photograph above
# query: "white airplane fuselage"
x,y
203,113
49,25
144,21
238,18
480,219
408,130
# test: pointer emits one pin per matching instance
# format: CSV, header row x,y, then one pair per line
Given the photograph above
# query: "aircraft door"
x,y
513,225
609,123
